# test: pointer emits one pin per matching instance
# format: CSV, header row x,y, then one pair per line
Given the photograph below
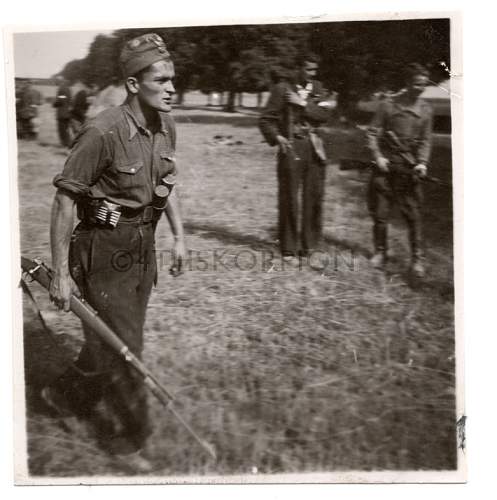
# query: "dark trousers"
x,y
63,127
404,190
301,168
114,270
27,129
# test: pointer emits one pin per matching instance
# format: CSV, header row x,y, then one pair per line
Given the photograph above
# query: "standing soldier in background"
x,y
292,113
402,124
116,164
62,104
80,105
27,101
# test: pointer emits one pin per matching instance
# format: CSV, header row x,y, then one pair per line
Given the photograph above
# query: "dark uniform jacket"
x,y
63,103
277,120
411,124
115,158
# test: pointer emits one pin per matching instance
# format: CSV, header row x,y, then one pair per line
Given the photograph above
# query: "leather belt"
x,y
144,215
88,213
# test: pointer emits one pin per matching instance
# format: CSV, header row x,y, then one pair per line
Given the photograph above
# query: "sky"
x,y
42,54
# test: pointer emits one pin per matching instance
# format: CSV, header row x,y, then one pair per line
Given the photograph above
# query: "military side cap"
x,y
141,52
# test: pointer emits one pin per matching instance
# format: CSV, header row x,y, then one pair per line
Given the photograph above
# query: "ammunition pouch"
x,y
105,214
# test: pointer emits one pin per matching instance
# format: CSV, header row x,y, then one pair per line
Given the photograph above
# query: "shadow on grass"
x,y
230,237
346,245
332,245
43,360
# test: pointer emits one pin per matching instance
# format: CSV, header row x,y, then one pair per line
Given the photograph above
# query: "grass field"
x,y
330,367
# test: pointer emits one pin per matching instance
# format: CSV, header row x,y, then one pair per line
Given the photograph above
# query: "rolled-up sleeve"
x,y
88,157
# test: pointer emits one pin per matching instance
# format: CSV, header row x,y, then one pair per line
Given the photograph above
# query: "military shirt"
x,y
412,124
116,158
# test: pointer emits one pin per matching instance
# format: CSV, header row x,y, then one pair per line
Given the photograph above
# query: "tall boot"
x,y
380,245
417,264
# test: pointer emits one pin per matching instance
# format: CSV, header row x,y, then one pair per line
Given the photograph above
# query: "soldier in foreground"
x,y
111,174
292,113
402,125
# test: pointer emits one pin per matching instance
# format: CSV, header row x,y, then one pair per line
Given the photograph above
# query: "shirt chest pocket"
x,y
129,174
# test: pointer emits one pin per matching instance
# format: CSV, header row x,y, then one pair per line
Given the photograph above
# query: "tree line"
x,y
356,57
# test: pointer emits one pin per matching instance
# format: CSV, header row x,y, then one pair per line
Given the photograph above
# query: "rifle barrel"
x,y
43,275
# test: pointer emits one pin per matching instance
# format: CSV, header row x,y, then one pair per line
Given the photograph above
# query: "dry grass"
x,y
286,370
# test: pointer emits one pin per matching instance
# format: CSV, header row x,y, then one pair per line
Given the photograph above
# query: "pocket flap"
x,y
131,168
165,155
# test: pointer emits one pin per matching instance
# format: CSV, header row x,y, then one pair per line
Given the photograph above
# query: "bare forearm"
x,y
173,214
60,231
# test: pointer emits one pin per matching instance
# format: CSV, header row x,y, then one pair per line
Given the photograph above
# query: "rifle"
x,y
349,164
401,149
41,273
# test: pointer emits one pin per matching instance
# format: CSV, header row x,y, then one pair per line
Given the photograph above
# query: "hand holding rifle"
x,y
420,170
382,164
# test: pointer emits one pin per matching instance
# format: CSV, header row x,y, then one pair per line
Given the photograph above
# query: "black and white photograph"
x,y
236,252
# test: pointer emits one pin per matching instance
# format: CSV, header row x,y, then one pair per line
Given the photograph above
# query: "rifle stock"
x,y
43,275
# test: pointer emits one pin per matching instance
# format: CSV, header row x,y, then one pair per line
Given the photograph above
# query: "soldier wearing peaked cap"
x,y
114,168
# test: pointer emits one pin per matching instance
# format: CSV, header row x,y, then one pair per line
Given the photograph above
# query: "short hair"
x,y
416,69
307,57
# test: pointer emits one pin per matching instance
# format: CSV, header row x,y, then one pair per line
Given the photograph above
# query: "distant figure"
x,y
402,124
62,105
292,113
80,105
27,101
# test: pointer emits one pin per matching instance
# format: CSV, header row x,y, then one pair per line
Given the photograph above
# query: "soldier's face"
x,y
155,86
309,71
418,85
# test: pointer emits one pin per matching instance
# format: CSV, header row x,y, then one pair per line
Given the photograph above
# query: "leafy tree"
x,y
357,58
102,61
75,70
